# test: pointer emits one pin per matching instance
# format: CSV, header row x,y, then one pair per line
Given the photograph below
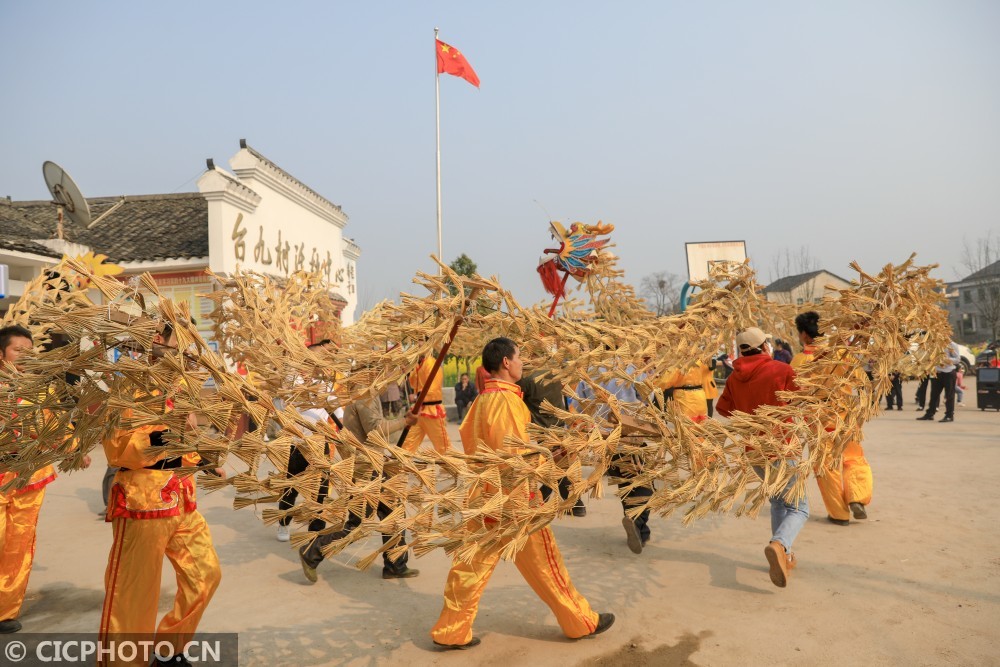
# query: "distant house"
x,y
974,305
805,288
257,217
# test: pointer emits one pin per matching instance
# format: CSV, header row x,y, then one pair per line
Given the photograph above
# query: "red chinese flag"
x,y
451,61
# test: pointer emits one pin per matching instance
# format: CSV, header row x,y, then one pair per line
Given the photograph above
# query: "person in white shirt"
x,y
944,380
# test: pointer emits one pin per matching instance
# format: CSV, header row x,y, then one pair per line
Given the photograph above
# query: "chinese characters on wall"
x,y
287,257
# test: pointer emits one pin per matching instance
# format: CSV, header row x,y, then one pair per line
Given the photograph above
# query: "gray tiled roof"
x,y
988,271
788,283
145,228
26,245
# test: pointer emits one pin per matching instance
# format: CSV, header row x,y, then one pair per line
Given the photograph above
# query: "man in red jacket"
x,y
755,381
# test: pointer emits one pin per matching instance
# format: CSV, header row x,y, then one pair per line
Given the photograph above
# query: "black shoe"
x,y
858,510
475,641
407,573
307,569
9,626
839,522
926,418
632,535
604,621
177,661
579,510
947,419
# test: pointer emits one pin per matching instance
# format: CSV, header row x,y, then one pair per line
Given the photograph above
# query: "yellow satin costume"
x,y
154,514
689,391
432,419
496,412
853,482
19,510
18,521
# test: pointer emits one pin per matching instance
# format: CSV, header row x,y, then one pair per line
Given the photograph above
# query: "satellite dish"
x,y
65,194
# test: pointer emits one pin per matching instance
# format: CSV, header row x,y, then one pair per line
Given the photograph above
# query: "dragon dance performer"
x,y
297,462
154,514
687,390
625,467
432,420
535,390
846,490
497,412
708,385
361,418
19,509
756,380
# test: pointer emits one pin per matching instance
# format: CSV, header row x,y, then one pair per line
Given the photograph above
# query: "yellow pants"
x,y
852,484
132,580
541,565
434,428
18,519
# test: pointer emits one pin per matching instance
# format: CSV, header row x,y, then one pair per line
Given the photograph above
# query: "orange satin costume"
x,y
853,482
154,514
19,510
432,419
496,412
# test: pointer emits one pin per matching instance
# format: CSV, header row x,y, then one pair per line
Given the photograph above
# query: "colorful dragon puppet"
x,y
577,252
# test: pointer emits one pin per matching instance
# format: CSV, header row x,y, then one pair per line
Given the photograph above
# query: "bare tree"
x,y
662,291
791,263
982,260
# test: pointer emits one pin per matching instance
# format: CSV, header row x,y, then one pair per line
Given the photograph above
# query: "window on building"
x,y
799,302
967,296
818,300
968,323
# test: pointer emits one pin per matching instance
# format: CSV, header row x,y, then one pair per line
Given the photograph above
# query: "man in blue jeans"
x,y
755,381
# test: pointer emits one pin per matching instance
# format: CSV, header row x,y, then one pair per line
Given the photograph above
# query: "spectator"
x,y
465,394
782,352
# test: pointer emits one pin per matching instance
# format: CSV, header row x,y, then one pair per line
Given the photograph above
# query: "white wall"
x,y
268,205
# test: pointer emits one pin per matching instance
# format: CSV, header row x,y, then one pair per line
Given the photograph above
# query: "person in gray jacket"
x,y
361,418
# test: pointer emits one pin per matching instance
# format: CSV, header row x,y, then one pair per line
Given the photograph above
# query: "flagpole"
x,y
437,138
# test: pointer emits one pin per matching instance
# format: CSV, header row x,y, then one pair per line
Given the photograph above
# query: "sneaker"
x,y
777,561
579,510
475,641
604,621
283,534
791,562
858,510
839,522
407,573
9,626
307,569
632,535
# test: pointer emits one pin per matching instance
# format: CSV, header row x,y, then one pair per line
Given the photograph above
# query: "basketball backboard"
x,y
703,255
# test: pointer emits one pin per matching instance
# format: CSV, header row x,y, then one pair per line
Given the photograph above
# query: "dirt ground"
x,y
918,583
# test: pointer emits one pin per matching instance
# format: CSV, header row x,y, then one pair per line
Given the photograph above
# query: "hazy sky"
x,y
861,130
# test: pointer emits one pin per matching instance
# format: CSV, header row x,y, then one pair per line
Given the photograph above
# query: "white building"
x,y
259,217
805,288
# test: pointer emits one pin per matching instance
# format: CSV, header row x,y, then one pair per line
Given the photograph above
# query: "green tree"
x,y
463,266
